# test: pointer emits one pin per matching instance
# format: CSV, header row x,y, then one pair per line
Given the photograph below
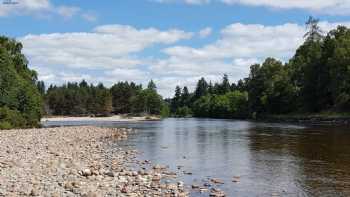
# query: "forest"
x,y
81,99
315,80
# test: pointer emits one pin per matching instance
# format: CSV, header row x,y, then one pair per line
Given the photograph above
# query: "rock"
x,y
206,184
235,179
217,193
158,167
34,192
124,189
90,194
156,177
134,173
172,187
195,186
68,186
216,181
86,172
109,173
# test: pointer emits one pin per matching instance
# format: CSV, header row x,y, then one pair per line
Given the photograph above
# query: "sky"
x,y
173,42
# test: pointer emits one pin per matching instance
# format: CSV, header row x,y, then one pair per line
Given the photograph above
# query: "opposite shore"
x,y
115,118
309,119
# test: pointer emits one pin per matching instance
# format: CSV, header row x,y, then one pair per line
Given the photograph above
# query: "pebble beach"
x,y
76,161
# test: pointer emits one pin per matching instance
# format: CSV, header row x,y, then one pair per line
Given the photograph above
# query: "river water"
x,y
263,159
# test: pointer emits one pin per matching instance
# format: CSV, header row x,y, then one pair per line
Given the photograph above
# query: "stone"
x,y
156,177
34,192
109,173
86,172
216,181
195,186
217,193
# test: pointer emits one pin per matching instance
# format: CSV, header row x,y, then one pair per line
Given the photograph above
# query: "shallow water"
x,y
268,159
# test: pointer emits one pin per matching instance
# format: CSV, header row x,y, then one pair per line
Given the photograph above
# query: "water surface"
x,y
269,159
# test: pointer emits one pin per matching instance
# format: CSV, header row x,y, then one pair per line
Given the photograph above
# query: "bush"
x,y
20,100
5,125
183,112
165,111
11,119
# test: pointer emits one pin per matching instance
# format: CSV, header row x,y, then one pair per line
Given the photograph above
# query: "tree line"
x,y
316,79
80,99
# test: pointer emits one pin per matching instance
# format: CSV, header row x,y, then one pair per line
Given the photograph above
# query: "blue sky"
x,y
174,42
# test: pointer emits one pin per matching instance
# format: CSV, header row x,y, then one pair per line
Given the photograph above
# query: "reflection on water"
x,y
270,159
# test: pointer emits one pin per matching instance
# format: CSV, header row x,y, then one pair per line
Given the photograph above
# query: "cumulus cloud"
x,y
239,46
111,53
42,8
205,32
109,46
25,7
111,50
67,11
335,7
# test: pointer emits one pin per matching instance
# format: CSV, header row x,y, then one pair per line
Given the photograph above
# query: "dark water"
x,y
269,159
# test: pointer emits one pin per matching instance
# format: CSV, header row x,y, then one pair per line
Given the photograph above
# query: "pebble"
x,y
216,181
73,161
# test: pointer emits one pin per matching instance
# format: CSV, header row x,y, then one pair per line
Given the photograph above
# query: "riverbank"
x,y
116,118
309,119
78,161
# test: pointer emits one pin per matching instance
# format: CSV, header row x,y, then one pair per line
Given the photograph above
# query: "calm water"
x,y
270,159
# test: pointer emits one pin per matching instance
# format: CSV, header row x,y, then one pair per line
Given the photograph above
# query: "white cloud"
x,y
122,74
111,53
110,46
334,7
91,17
67,11
205,32
25,7
42,8
144,36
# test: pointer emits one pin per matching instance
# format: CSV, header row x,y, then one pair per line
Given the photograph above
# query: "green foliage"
x,y
269,88
19,96
79,99
11,119
122,93
165,110
230,105
183,112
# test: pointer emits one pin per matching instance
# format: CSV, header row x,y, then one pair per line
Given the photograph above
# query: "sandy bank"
x,y
111,118
78,161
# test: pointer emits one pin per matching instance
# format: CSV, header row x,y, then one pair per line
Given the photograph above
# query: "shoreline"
x,y
115,118
78,161
316,120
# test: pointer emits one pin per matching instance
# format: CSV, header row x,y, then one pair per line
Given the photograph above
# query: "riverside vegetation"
x,y
314,81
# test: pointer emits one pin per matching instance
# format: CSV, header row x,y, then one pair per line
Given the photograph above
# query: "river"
x,y
253,159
